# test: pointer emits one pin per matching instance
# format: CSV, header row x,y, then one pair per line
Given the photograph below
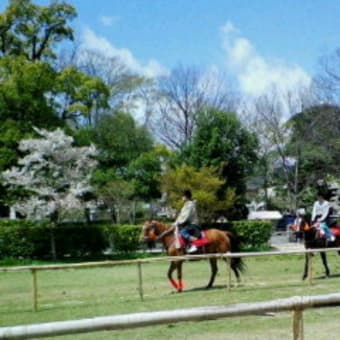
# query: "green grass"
x,y
83,293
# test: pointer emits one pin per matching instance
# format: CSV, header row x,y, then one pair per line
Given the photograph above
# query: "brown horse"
x,y
217,242
313,240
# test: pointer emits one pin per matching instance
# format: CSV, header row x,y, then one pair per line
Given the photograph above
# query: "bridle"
x,y
152,233
149,231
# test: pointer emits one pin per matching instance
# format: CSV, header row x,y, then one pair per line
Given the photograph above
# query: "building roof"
x,y
264,215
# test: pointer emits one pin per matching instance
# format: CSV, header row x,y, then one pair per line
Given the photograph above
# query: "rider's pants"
x,y
326,230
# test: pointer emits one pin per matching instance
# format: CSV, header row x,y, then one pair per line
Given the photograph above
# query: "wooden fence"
x,y
129,321
35,269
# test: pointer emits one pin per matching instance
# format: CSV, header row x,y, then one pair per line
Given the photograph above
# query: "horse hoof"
x,y
304,277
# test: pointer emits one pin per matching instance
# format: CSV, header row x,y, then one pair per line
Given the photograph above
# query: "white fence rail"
x,y
35,269
127,321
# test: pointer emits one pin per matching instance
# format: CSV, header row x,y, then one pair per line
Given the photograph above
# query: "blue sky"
x,y
188,31
256,42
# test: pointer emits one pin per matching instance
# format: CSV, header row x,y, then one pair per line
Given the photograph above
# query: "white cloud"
x,y
254,73
108,20
94,42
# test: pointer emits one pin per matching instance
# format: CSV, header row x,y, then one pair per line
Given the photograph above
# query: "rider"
x,y
320,214
298,223
187,220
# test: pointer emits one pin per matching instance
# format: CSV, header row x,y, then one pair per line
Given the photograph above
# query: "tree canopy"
x,y
204,184
32,31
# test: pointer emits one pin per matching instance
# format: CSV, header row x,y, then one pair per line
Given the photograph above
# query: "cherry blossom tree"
x,y
53,175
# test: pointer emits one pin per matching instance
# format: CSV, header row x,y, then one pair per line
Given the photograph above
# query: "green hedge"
x,y
77,240
124,238
28,239
22,238
254,235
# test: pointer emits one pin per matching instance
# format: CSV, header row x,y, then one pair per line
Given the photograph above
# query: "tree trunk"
x,y
53,244
54,224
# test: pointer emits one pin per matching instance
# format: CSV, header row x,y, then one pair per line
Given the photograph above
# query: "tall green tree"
x,y
32,30
315,145
145,173
23,103
121,140
204,184
79,96
130,166
24,90
221,141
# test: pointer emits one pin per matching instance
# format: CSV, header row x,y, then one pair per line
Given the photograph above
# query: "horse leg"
x,y
176,265
171,269
179,276
235,270
325,264
305,272
214,269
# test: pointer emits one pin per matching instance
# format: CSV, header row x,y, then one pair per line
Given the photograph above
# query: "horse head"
x,y
154,230
301,226
150,230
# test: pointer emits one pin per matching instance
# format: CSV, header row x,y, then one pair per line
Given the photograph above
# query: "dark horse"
x,y
313,240
217,241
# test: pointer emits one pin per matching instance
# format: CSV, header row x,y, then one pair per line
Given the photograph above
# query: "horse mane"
x,y
164,229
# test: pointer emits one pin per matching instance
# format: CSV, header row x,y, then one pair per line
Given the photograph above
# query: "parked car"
x,y
285,221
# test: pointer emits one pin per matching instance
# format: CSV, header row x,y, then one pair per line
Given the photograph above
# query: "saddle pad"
x,y
335,231
182,241
201,241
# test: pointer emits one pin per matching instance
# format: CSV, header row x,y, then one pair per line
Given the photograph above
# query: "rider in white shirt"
x,y
320,213
187,220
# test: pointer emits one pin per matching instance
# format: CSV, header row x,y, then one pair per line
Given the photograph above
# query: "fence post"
x,y
298,324
140,280
228,263
35,290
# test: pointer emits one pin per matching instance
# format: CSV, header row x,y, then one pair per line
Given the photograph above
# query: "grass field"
x,y
83,293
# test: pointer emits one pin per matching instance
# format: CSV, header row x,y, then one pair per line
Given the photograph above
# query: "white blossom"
x,y
55,173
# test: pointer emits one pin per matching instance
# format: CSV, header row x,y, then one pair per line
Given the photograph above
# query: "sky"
x,y
256,43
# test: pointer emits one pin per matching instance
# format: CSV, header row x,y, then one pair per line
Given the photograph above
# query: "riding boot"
x,y
192,248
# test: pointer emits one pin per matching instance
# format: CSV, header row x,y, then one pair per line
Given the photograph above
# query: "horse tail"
x,y
235,244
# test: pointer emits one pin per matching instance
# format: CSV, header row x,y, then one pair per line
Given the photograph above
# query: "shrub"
x,y
124,238
253,234
22,238
30,239
80,239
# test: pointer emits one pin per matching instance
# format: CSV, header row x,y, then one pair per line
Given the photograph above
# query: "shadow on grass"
x,y
214,288
323,277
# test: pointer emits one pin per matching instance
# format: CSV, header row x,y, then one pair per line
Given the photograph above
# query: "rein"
x,y
164,233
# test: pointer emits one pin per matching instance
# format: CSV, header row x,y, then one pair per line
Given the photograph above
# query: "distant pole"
x,y
140,280
35,290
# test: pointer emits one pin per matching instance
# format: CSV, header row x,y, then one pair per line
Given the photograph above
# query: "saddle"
x,y
200,242
334,230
